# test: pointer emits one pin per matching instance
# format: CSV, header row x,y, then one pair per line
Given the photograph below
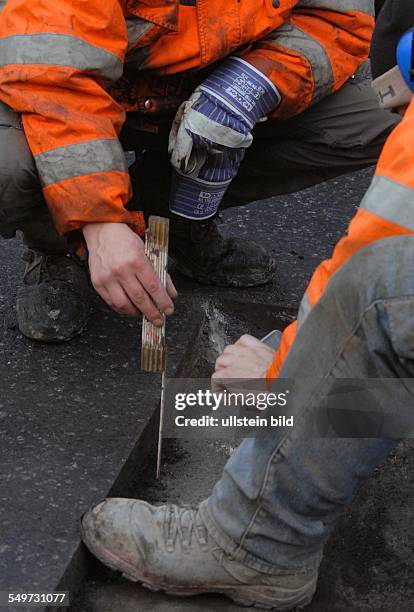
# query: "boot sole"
x,y
45,339
262,597
42,334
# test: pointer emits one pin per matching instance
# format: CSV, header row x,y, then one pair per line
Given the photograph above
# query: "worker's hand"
x,y
247,358
123,275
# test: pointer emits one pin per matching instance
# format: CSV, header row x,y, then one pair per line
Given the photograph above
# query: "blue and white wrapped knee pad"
x,y
211,133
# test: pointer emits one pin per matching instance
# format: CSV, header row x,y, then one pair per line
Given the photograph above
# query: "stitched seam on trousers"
x,y
265,488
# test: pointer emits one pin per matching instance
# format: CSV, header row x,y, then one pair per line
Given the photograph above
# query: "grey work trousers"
x,y
342,133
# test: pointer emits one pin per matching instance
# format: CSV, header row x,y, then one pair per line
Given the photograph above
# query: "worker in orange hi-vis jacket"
x,y
259,537
186,85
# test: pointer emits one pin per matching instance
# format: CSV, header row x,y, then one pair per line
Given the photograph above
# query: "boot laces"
x,y
182,524
44,266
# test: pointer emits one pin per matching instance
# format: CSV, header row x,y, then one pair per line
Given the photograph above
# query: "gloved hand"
x,y
211,132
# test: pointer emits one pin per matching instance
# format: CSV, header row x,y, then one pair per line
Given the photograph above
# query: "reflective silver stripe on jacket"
x,y
304,310
341,6
391,201
60,50
61,163
293,38
137,28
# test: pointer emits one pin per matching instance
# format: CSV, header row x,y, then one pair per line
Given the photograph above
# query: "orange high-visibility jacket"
x,y
386,210
59,60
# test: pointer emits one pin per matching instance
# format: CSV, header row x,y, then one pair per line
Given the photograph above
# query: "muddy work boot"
x,y
202,253
53,301
168,548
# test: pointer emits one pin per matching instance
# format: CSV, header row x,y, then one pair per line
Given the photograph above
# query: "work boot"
x,y
199,249
202,253
53,301
168,548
